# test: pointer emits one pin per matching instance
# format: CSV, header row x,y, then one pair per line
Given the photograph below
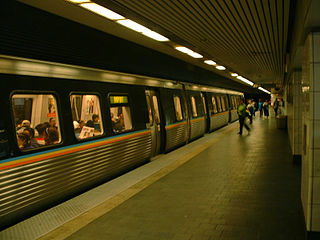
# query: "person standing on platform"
x,y
242,112
260,107
251,110
266,108
275,107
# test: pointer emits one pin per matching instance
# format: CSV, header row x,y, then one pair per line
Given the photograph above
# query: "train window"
x,y
233,104
149,110
219,103
223,103
156,109
36,120
194,107
214,105
177,107
86,114
120,113
226,102
204,104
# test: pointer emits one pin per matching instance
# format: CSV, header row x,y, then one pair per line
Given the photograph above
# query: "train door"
x,y
205,112
154,117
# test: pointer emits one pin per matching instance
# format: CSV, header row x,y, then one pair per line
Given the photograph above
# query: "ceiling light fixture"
x,y
133,25
210,62
101,11
189,52
155,36
141,29
264,90
220,68
195,55
98,9
79,1
245,80
234,75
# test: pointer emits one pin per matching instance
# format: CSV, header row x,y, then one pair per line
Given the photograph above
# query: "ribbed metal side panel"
x,y
217,121
197,128
234,116
43,180
175,136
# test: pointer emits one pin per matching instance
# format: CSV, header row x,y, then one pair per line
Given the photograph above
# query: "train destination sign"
x,y
118,99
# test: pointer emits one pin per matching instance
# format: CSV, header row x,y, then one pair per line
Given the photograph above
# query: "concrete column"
x,y
294,112
310,182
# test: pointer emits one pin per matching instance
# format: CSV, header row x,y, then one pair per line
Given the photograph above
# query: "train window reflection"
x,y
177,107
156,109
120,114
149,110
214,105
219,103
223,104
232,102
86,114
226,103
36,120
194,107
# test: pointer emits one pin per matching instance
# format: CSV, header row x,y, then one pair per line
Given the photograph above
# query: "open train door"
x,y
154,117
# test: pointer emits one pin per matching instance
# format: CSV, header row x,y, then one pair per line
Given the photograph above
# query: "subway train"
x,y
65,129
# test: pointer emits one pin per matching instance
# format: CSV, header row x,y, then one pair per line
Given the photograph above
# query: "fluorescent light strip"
x,y
189,52
264,90
155,36
93,7
184,50
234,75
133,25
220,68
195,55
210,62
79,1
245,80
141,29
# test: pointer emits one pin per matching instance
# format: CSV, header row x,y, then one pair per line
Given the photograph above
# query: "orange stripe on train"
x,y
58,153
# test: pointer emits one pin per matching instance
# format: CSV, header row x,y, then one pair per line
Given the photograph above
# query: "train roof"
x,y
31,67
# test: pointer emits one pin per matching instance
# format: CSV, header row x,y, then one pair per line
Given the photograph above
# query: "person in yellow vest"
x,y
242,112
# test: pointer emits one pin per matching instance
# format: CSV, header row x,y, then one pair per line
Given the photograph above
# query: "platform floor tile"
x,y
241,187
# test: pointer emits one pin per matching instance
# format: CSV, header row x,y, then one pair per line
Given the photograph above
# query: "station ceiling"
x,y
247,37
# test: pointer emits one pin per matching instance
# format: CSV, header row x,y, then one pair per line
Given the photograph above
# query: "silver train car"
x,y
65,129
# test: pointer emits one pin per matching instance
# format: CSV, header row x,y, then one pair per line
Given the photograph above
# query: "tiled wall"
x,y
310,188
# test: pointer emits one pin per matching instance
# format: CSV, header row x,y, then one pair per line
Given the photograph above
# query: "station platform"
x,y
221,186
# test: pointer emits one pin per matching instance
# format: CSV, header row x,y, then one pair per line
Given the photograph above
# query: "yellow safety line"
x,y
81,221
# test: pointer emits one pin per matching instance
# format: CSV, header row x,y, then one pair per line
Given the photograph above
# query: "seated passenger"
x,y
90,124
41,128
24,124
78,127
52,123
24,141
96,123
52,136
81,124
